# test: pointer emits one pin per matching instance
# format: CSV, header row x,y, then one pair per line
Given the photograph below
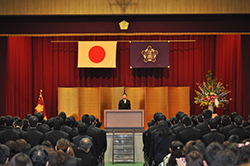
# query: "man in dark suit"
x,y
40,126
54,135
124,103
84,152
18,125
239,130
33,136
203,127
9,133
189,133
213,135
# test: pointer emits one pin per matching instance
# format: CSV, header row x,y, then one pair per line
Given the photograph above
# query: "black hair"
x,y
200,118
207,114
176,152
225,120
82,128
25,124
238,120
213,123
186,120
25,148
4,153
194,158
39,116
85,119
244,154
47,143
151,122
156,114
39,156
57,124
62,115
2,120
18,122
196,145
28,116
9,120
163,129
178,115
233,115
211,151
69,121
173,120
33,121
12,145
224,158
160,117
234,138
50,122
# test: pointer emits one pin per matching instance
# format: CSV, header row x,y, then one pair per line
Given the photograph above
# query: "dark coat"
x,y
72,161
43,128
161,147
9,134
203,127
213,136
123,105
33,137
87,158
54,135
189,133
225,130
240,131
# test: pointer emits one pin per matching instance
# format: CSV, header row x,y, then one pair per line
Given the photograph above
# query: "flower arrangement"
x,y
211,93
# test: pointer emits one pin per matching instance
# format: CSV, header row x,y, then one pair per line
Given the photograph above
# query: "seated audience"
x,y
224,158
211,151
39,156
20,159
4,154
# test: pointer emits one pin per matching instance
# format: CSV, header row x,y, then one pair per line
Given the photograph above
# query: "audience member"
x,y
20,159
243,154
224,158
211,151
20,142
203,126
84,152
39,156
2,123
176,148
43,128
25,148
13,147
4,154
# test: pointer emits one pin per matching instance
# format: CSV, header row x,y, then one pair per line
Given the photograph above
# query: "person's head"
x,y
13,147
2,120
194,158
173,120
151,122
28,116
25,124
82,128
200,118
85,144
233,147
69,121
47,143
178,115
234,138
85,119
175,148
53,157
4,154
195,121
244,154
186,121
9,120
238,120
207,114
39,116
213,123
18,123
25,148
233,115
33,121
124,96
91,119
163,129
224,158
192,118
57,124
20,142
211,151
20,159
50,122
39,156
160,117
196,146
63,115
98,123
64,150
225,120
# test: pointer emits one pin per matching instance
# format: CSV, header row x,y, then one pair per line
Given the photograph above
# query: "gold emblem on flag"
x,y
149,54
39,108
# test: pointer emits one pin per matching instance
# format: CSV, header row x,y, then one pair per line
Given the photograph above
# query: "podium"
x,y
124,119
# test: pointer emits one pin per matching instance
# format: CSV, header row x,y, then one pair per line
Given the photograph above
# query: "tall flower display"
x,y
211,93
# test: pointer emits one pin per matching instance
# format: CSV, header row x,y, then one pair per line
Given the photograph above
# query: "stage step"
x,y
123,146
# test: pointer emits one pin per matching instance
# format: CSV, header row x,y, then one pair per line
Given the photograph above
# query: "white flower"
x,y
216,102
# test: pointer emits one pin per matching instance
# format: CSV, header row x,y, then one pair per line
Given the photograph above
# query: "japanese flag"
x,y
97,54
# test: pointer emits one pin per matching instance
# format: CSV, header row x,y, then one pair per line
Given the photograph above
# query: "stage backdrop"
x,y
93,100
35,63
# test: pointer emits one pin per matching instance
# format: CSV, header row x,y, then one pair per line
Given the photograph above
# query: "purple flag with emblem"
x,y
149,54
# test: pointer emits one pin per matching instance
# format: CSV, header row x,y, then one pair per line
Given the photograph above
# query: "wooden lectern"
x,y
124,119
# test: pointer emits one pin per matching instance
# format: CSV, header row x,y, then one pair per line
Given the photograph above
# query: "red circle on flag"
x,y
96,54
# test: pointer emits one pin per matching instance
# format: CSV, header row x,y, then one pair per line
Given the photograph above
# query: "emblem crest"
x,y
149,54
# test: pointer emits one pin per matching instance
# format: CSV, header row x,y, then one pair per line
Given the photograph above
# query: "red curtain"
x,y
42,64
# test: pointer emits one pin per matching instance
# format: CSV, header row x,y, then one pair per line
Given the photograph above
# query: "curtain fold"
x,y
48,65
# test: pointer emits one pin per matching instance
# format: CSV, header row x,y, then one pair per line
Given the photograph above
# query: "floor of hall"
x,y
124,164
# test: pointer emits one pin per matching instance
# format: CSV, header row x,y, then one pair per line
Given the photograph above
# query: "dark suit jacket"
x,y
95,134
123,105
33,137
43,128
72,161
240,131
54,135
161,147
9,134
78,138
87,158
213,136
189,133
177,130
20,131
203,127
226,129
